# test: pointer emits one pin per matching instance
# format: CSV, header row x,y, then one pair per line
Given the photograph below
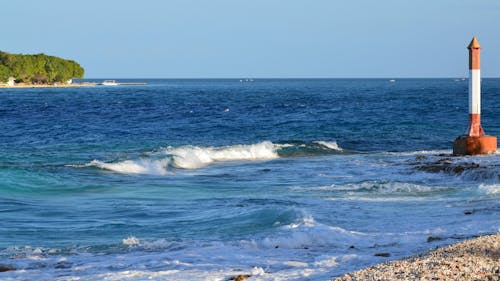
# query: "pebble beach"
x,y
475,259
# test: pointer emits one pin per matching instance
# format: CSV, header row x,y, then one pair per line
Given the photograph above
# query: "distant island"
x,y
38,69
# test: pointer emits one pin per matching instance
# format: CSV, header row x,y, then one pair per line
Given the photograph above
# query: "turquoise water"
x,y
206,179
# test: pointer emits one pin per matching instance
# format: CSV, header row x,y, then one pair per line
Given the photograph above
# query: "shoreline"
x,y
28,86
473,259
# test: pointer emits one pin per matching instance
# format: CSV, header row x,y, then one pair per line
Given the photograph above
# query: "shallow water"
x,y
206,179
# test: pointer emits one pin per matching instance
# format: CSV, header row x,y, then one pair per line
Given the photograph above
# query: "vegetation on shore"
x,y
38,69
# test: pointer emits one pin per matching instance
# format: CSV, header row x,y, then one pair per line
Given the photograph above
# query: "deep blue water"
x,y
202,179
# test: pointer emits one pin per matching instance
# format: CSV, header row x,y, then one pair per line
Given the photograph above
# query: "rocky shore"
x,y
476,259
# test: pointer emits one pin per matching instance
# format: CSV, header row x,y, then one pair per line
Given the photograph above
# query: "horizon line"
x,y
281,78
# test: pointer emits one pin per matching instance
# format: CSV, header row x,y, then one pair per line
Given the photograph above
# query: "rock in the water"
x,y
420,158
433,238
385,255
63,265
468,212
4,268
453,166
239,278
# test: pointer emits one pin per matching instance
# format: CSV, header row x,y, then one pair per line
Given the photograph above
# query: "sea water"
x,y
208,179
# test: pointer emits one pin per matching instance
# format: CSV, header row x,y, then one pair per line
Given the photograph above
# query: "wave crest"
x,y
195,157
192,157
142,166
330,145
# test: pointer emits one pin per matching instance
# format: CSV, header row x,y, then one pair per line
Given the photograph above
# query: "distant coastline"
x,y
62,85
35,71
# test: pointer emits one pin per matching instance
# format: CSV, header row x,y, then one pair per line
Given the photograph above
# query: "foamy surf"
x,y
190,157
142,166
288,254
196,157
493,189
330,145
421,152
307,232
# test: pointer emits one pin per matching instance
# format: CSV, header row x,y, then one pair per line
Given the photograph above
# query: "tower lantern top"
x,y
474,44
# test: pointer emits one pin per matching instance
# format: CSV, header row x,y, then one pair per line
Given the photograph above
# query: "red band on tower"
x,y
475,129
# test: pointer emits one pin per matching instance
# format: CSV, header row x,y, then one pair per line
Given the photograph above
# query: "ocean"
x,y
280,179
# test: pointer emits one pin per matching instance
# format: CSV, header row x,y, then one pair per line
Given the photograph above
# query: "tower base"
x,y
466,145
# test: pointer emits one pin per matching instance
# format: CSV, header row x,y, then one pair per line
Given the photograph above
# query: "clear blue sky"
x,y
257,38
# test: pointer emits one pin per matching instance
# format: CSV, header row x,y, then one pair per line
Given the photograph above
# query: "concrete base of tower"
x,y
466,145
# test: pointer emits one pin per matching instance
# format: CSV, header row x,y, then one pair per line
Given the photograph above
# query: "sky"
x,y
257,38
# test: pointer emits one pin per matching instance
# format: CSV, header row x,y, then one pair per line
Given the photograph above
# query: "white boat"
x,y
110,83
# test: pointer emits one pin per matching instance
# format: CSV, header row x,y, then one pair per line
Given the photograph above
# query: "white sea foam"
x,y
190,157
308,232
374,187
326,261
131,241
493,189
195,157
216,260
330,145
295,263
142,166
420,152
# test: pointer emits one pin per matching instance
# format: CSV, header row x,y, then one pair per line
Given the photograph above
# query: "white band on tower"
x,y
475,91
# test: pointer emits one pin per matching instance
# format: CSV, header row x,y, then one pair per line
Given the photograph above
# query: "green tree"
x,y
39,67
5,73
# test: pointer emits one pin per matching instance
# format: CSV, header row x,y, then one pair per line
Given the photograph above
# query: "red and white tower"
x,y
474,141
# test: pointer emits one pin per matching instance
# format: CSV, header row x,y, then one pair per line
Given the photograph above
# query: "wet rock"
x,y
63,265
239,277
447,165
385,255
4,268
352,247
433,238
468,212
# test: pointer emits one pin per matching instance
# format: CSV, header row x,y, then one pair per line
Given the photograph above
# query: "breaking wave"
x,y
142,166
190,157
195,157
330,145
